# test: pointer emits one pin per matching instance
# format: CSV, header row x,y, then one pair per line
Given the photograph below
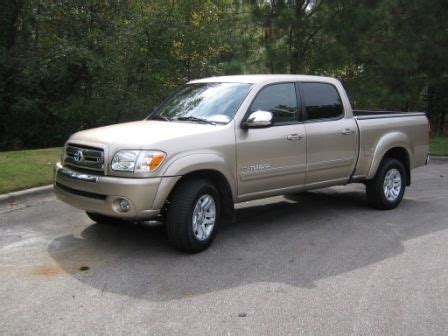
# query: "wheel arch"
x,y
219,181
396,146
402,155
210,166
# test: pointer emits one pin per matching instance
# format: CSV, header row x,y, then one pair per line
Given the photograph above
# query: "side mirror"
x,y
259,119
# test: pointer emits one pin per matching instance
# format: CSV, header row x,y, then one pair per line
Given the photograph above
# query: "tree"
x,y
71,65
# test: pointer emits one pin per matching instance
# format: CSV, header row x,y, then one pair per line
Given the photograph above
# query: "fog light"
x,y
124,205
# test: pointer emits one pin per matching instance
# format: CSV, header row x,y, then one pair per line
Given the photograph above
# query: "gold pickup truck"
x,y
222,140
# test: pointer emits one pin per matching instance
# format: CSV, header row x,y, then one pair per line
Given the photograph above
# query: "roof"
x,y
253,79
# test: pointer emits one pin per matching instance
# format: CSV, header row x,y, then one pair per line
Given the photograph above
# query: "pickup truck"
x,y
218,141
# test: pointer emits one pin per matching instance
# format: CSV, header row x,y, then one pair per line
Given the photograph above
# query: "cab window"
x,y
322,101
280,99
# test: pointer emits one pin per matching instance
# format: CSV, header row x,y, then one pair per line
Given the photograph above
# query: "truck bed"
x,y
409,129
368,114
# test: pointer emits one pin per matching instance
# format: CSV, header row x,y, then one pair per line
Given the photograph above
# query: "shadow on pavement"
x,y
295,241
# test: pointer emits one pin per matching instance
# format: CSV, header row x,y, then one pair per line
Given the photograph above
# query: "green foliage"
x,y
71,65
67,66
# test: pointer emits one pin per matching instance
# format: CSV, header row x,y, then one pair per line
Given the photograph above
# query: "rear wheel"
x,y
387,188
193,215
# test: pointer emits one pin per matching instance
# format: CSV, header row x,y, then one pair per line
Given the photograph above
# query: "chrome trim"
x,y
259,119
85,157
76,176
294,136
348,131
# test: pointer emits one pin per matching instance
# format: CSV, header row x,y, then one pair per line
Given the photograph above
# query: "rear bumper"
x,y
101,194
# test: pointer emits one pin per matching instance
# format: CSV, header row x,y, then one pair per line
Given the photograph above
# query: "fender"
x,y
189,164
387,142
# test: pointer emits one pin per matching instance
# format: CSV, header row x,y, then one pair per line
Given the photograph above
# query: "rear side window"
x,y
322,101
280,99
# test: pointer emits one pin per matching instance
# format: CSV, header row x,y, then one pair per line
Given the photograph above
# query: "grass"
x,y
27,168
439,145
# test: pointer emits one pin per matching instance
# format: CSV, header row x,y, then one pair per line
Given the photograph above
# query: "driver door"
x,y
272,159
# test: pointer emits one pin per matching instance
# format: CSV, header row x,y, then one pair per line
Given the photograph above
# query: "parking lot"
x,y
319,263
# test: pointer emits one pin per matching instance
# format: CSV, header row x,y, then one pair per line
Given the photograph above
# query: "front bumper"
x,y
101,194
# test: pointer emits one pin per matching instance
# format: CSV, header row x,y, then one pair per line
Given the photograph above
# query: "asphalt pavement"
x,y
319,263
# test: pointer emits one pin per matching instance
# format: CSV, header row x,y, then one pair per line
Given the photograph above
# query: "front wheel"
x,y
387,188
193,216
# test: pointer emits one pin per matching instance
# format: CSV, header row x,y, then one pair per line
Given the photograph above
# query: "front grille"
x,y
84,157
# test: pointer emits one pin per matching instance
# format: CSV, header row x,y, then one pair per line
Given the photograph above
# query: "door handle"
x,y
294,136
348,131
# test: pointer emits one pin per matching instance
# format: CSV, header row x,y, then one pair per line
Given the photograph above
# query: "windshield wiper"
x,y
191,118
159,117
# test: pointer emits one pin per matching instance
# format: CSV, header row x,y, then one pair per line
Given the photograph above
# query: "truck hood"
x,y
140,134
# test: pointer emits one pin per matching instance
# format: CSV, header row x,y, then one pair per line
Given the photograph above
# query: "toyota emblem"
x,y
78,156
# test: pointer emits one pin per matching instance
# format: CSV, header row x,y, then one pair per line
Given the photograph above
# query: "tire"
x,y
382,196
101,219
189,223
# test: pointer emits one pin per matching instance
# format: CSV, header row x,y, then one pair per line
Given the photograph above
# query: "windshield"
x,y
203,102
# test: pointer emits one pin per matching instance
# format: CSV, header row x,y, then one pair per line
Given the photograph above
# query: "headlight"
x,y
125,161
137,161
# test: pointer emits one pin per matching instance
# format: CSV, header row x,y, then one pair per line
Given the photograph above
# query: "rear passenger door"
x,y
331,135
